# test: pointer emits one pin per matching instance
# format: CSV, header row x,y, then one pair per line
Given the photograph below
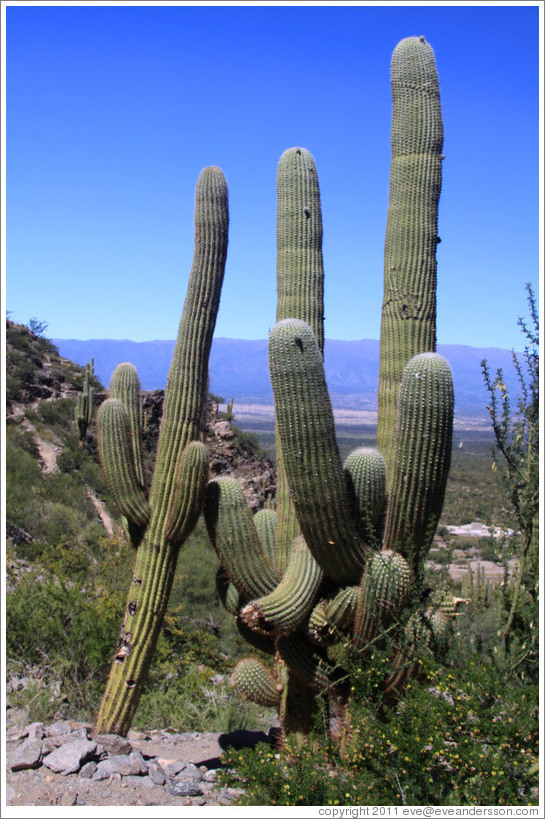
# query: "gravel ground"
x,y
64,764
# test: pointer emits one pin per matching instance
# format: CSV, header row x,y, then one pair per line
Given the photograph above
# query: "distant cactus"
x,y
229,410
83,413
160,520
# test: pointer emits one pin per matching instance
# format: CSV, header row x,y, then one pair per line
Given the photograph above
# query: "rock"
x,y
123,764
10,793
56,741
143,781
185,788
137,735
223,430
35,730
88,769
59,729
28,755
67,798
183,770
113,744
156,773
68,758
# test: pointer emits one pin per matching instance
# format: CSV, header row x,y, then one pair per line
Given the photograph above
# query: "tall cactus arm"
x,y
117,460
422,458
300,288
287,606
299,234
408,324
311,456
233,534
187,383
125,385
183,421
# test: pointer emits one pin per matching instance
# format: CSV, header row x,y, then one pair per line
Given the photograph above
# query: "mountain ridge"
x,y
238,368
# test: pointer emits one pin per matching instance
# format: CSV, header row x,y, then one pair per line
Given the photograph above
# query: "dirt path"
x,y
103,513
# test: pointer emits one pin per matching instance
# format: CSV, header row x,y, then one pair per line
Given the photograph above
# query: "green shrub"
x,y
459,737
64,618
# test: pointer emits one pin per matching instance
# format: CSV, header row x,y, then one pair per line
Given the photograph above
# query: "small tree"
x,y
516,446
37,326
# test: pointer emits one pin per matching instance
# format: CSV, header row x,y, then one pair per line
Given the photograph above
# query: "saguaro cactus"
x,y
83,412
159,521
355,537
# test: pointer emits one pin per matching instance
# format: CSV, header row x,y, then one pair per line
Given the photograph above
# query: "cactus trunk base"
x,y
146,606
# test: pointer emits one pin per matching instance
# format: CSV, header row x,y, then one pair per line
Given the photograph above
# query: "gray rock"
x,y
123,764
27,755
138,736
67,798
184,771
55,741
156,772
113,744
79,733
10,793
88,769
143,781
59,729
69,758
137,759
210,776
34,731
185,788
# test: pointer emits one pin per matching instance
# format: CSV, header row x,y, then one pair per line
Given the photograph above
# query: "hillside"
x,y
238,368
69,564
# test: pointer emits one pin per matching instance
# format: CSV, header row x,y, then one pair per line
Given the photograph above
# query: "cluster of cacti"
x,y
477,589
83,412
347,552
160,518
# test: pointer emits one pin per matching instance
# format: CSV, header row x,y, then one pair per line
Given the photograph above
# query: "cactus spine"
x,y
177,488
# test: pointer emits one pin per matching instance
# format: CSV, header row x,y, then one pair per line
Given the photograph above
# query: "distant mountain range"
x,y
238,368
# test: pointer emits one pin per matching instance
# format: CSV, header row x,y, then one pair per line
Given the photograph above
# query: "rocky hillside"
x,y
41,392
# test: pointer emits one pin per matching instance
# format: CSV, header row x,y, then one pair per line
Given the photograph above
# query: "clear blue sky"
x,y
112,112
